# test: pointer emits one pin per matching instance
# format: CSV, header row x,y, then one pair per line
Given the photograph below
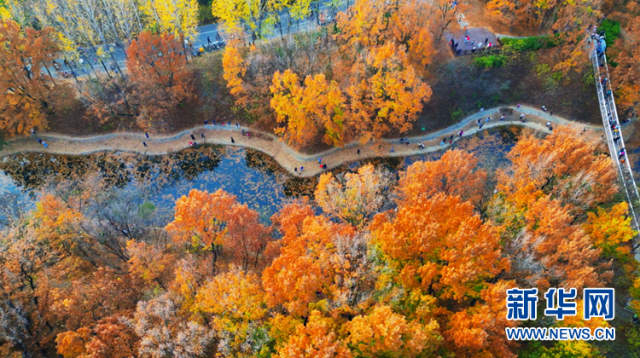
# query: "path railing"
x,y
613,133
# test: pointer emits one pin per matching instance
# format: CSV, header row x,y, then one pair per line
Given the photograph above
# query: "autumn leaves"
x,y
361,79
26,90
389,268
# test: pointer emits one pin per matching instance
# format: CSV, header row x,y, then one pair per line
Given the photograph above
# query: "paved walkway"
x,y
269,144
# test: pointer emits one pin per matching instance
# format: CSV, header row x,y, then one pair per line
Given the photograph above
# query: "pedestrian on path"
x,y
202,135
358,151
145,144
616,139
295,169
519,105
146,135
522,118
206,122
392,150
45,144
33,131
502,117
482,109
544,108
486,40
551,113
192,137
237,125
301,170
208,39
488,119
39,140
319,160
232,141
460,134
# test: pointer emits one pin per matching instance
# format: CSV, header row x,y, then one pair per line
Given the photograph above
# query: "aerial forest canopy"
x,y
374,261
415,267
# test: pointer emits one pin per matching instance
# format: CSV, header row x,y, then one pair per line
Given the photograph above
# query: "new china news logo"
x,y
522,305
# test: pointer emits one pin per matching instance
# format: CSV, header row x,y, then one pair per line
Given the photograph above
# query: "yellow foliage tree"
x,y
385,93
236,304
305,109
610,228
179,17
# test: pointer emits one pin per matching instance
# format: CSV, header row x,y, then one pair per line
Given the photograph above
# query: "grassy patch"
x,y
611,30
531,43
490,61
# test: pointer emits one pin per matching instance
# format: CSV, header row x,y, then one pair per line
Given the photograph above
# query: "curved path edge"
x,y
271,145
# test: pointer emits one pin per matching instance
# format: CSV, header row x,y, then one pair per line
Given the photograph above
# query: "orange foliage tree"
x,y
158,67
315,339
570,165
234,65
213,221
626,76
308,268
439,246
550,183
385,93
455,174
26,93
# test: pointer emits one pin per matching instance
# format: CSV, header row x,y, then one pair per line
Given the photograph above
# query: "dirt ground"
x,y
459,88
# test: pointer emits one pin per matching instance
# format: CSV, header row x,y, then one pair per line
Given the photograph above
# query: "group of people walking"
x,y
44,144
470,45
193,142
605,88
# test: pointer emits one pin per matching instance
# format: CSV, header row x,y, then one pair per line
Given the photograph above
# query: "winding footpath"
x,y
271,145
